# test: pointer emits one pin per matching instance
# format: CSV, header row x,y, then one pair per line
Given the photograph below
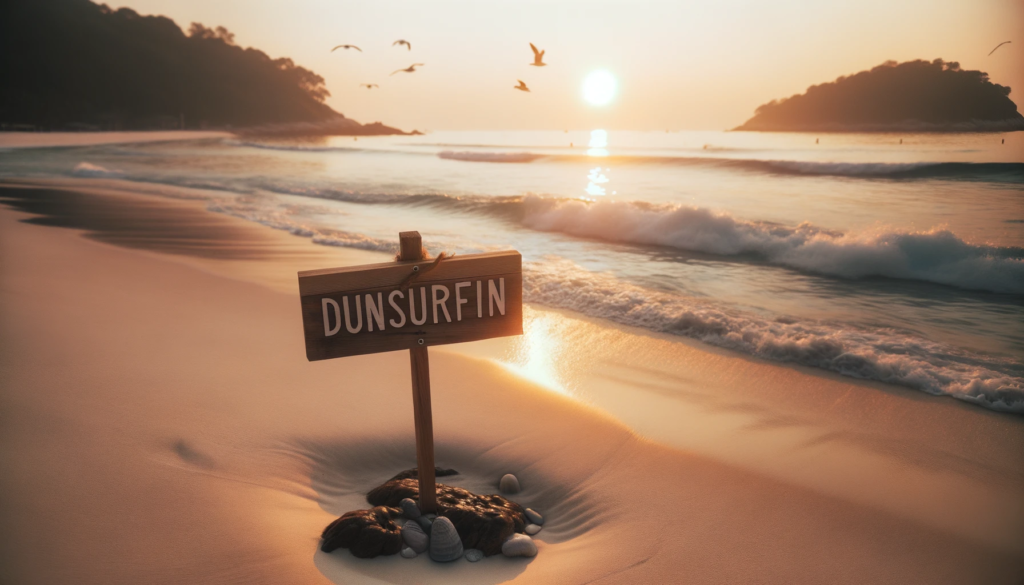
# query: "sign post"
x,y
412,304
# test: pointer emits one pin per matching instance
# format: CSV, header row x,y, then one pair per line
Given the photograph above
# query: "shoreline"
x,y
763,460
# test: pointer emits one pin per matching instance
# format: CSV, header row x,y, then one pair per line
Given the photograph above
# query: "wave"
x,y
884,355
495,157
1010,172
937,256
322,236
880,354
290,147
84,169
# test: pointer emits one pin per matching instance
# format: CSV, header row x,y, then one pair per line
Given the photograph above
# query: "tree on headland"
x,y
912,96
74,63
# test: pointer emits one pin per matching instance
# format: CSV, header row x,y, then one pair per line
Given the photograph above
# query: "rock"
x,y
534,517
483,522
509,484
408,553
415,537
367,533
519,545
426,524
532,529
409,508
473,555
445,544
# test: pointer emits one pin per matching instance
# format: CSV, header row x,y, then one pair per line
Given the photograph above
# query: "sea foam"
x,y
937,256
884,355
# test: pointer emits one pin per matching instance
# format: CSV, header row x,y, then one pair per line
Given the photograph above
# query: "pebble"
x,y
532,529
473,555
508,484
408,553
409,508
425,524
445,544
519,545
415,537
534,517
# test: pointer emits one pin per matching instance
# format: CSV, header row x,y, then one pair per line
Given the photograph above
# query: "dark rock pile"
x,y
482,522
367,533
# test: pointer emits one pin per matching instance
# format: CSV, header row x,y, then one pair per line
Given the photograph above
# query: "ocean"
x,y
894,258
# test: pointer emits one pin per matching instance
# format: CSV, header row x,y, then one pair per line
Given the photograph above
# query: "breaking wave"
x,y
1012,172
84,169
494,157
881,354
937,256
884,355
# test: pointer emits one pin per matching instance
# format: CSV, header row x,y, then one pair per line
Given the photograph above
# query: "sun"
x,y
599,87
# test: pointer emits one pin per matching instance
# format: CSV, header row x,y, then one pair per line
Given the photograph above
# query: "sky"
x,y
679,65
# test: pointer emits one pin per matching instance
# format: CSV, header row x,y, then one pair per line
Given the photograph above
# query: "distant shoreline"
x,y
910,126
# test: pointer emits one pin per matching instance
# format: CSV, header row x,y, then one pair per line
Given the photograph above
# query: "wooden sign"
x,y
411,304
402,305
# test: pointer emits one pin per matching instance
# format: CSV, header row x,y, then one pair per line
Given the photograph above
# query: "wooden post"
x,y
412,249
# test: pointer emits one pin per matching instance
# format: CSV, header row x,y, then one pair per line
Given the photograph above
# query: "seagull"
x,y
538,57
521,86
346,47
369,85
997,46
409,69
401,42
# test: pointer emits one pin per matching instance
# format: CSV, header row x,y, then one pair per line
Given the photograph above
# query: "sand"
x,y
160,424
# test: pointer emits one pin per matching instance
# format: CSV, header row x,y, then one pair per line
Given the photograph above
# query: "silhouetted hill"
x,y
912,96
76,64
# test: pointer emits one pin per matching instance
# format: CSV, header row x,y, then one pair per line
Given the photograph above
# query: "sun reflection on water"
x,y
598,143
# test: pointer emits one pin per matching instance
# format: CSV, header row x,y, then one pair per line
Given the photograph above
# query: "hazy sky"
x,y
680,65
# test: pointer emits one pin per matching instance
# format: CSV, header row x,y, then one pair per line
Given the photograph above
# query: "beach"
x,y
161,424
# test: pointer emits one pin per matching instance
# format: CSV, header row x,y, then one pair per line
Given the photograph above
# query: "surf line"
x,y
354,306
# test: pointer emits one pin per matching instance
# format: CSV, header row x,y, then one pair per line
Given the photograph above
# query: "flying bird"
x,y
369,85
409,69
401,42
521,86
997,46
538,57
346,47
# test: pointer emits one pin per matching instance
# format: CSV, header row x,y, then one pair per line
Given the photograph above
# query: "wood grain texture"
x,y
420,363
369,276
350,286
410,246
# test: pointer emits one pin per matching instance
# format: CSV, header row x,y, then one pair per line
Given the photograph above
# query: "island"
x,y
915,96
78,65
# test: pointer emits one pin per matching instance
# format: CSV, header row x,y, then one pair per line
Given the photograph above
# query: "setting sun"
x,y
599,87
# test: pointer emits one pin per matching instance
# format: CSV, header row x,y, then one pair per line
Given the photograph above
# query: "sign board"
x,y
403,305
411,304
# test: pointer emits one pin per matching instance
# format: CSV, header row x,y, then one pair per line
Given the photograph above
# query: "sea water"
x,y
896,258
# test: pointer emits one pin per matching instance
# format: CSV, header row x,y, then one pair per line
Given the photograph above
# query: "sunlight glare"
x,y
599,87
536,353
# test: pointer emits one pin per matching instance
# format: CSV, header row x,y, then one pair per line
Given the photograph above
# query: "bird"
x,y
409,69
369,85
346,47
401,42
997,46
521,86
538,57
